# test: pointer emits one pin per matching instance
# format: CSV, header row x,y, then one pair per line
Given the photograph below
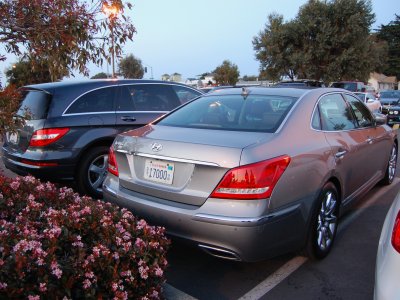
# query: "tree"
x,y
66,33
100,75
226,74
390,33
27,72
328,40
131,67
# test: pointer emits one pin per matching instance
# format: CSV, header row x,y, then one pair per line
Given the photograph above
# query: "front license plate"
x,y
159,171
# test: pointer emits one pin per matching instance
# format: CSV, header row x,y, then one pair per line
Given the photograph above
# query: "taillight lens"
x,y
396,233
112,162
44,137
254,181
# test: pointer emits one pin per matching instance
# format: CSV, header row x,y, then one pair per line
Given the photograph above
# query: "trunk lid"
x,y
192,161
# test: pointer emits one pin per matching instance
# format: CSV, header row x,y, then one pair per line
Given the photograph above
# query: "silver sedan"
x,y
247,174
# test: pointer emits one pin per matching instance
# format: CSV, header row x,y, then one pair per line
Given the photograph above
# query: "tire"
x,y
92,171
391,167
324,222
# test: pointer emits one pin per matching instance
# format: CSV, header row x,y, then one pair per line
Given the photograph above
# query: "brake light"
x,y
44,137
254,181
112,162
396,233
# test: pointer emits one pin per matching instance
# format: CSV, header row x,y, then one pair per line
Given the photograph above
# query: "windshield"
x,y
35,104
390,94
263,113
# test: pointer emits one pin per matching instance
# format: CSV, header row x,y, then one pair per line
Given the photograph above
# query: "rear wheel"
x,y
391,167
92,171
324,223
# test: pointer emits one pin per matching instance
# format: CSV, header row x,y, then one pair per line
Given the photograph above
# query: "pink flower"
x,y
35,297
3,285
43,287
86,284
141,224
96,251
14,185
159,272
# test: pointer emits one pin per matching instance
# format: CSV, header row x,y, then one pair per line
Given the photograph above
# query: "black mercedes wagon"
x,y
69,126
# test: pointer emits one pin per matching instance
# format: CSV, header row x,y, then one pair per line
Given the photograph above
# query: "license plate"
x,y
159,171
13,138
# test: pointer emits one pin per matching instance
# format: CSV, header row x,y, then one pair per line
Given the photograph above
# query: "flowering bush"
x,y
56,244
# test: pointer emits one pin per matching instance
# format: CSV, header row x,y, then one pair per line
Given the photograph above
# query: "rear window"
x,y
350,86
390,94
35,105
262,113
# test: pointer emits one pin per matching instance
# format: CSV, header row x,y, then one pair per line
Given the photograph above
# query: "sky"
x,y
194,37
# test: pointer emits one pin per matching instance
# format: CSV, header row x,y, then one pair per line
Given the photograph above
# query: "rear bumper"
x,y
250,238
49,168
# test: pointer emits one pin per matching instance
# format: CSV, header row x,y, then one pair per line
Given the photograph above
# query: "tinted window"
x,y
35,105
362,113
390,94
100,100
351,86
316,120
233,112
185,94
148,97
335,113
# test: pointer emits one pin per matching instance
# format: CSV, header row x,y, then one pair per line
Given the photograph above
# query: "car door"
x,y
375,136
139,104
349,144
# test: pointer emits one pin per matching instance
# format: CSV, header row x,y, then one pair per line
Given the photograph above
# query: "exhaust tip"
x,y
220,253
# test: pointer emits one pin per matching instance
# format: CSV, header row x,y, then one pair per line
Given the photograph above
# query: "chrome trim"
x,y
109,190
189,161
243,222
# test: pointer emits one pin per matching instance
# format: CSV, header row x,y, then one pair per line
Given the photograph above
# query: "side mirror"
x,y
380,119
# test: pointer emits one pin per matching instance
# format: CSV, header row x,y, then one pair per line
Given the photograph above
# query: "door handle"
x,y
369,140
128,118
340,154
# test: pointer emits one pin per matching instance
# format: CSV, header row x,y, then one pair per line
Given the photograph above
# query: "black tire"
x,y
324,222
91,171
391,167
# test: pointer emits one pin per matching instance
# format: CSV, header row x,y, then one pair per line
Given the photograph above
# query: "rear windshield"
x,y
35,105
350,86
263,113
390,94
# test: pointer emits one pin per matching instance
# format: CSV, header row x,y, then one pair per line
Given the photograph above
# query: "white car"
x,y
372,103
387,271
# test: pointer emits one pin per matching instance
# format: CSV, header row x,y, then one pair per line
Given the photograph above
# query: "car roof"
x,y
90,83
293,92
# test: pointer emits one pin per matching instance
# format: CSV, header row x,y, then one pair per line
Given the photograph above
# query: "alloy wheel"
x,y
327,221
97,172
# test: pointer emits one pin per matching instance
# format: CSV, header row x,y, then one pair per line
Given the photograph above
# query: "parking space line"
x,y
274,279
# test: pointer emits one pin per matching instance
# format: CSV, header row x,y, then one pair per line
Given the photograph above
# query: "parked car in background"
x,y
353,86
387,271
71,125
370,101
300,83
251,173
393,115
389,98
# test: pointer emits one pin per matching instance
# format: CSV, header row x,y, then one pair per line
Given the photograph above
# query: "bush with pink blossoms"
x,y
56,244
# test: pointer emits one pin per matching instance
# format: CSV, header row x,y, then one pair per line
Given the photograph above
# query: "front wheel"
x,y
92,171
391,167
324,222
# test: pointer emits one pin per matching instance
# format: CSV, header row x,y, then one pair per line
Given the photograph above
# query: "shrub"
x,y
56,244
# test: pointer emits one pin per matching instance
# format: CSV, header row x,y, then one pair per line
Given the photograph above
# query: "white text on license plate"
x,y
159,171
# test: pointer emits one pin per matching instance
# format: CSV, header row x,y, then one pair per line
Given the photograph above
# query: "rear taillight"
x,y
112,162
255,181
396,233
44,137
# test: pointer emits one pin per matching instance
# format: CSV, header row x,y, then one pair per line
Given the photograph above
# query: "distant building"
x,y
165,77
176,77
382,82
